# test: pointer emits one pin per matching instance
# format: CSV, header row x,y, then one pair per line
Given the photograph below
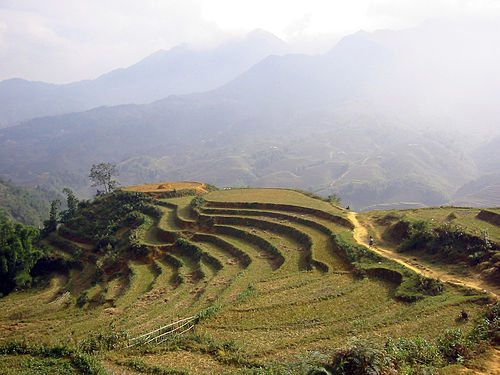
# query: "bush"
x,y
429,286
455,346
197,202
146,368
414,352
488,328
134,219
82,299
85,363
88,364
361,357
420,235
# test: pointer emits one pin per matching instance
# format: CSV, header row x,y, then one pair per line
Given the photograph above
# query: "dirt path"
x,y
492,366
360,235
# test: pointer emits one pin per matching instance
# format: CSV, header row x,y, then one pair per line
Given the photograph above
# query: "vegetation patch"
x,y
145,263
85,363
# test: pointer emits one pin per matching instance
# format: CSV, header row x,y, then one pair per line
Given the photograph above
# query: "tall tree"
x,y
17,254
102,175
50,224
72,206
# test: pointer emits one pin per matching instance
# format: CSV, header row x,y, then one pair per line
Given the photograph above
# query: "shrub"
x,y
414,352
455,346
420,235
88,364
488,328
361,357
429,286
85,363
82,299
197,202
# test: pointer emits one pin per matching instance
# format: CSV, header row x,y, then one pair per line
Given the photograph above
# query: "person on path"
x,y
371,241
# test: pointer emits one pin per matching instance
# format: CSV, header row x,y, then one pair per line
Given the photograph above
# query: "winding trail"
x,y
360,235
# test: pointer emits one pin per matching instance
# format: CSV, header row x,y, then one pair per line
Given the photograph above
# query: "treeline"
x,y
98,221
18,254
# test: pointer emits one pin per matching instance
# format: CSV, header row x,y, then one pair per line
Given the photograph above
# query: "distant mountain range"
x,y
178,71
323,123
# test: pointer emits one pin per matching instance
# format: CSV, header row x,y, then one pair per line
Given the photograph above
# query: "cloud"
x,y
61,41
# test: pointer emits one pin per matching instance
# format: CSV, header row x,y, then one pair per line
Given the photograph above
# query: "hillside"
x,y
238,281
315,123
364,159
25,205
462,241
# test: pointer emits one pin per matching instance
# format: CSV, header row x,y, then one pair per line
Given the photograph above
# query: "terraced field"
x,y
274,268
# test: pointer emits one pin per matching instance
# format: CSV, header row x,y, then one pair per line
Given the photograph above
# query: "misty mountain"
x,y
444,75
180,70
289,121
483,191
487,156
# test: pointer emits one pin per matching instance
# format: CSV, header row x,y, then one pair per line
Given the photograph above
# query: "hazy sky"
x,y
67,40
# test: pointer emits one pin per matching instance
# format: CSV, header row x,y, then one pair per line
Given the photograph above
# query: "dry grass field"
x,y
167,186
269,273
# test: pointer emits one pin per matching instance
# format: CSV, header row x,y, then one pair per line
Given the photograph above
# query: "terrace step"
x,y
279,229
282,207
142,277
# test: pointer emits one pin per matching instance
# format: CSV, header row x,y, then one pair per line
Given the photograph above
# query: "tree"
x,y
334,199
50,225
72,206
17,254
102,175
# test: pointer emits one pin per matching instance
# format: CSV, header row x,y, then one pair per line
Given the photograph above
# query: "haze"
x,y
385,103
62,41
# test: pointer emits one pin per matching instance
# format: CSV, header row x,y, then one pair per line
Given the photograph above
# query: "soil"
x,y
360,234
491,365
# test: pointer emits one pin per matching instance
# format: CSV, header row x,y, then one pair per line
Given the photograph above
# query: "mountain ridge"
x,y
180,70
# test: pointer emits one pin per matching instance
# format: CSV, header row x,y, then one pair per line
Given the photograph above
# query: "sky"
x,y
62,41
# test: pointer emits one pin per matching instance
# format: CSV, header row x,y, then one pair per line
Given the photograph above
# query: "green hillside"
x,y
464,241
25,205
238,281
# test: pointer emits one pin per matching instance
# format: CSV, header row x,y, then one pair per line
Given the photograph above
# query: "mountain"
x,y
487,156
483,191
317,123
180,70
289,121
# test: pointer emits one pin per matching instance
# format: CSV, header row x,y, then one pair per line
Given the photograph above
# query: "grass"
x,y
218,284
27,364
436,216
321,248
142,278
277,196
456,259
323,312
167,221
270,313
167,186
183,210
